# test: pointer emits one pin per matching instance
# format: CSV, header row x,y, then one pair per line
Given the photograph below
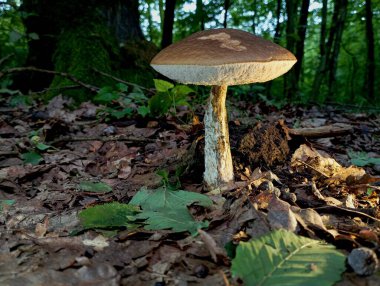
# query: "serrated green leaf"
x,y
32,158
162,85
165,198
93,187
283,258
177,220
106,95
109,215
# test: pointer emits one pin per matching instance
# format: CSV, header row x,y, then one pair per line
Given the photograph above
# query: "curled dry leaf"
x,y
320,164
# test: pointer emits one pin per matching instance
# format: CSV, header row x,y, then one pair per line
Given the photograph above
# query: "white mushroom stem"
x,y
218,160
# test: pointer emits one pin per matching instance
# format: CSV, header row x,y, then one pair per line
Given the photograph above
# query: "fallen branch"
x,y
122,81
63,74
337,129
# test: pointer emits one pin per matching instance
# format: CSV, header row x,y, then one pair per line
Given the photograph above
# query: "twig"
x,y
99,138
6,58
63,74
122,81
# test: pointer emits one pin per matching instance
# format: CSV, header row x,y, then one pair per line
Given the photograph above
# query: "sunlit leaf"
x,y
109,215
162,85
283,258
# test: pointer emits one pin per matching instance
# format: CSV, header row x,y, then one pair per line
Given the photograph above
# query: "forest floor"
x,y
285,161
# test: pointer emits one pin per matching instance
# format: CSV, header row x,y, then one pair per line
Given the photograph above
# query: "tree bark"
x,y
124,19
325,47
254,16
277,33
333,61
227,5
370,72
167,33
200,15
300,43
75,37
290,82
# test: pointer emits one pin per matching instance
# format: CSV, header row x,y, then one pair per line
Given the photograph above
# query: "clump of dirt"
x,y
264,143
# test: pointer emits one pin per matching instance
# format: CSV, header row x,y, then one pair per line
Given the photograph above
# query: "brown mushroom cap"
x,y
223,57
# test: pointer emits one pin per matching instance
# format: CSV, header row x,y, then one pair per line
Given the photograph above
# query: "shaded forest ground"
x,y
40,203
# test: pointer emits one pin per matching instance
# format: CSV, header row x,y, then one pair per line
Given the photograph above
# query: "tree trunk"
x,y
277,33
333,61
124,20
200,15
300,43
76,39
325,47
290,82
227,5
254,16
276,39
167,33
370,72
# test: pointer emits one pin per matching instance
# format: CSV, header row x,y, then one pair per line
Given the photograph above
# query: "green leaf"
x,y
122,87
143,111
362,159
165,208
109,215
182,90
162,85
32,158
138,96
42,146
177,220
165,198
283,258
106,95
92,187
160,103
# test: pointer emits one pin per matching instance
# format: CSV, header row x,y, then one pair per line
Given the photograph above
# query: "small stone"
x,y
201,271
363,261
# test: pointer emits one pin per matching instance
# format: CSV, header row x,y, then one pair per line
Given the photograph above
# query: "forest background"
x,y
335,42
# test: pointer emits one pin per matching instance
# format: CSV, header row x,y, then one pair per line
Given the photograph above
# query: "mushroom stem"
x,y
218,161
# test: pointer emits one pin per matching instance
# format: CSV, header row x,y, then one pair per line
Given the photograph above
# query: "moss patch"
x,y
80,50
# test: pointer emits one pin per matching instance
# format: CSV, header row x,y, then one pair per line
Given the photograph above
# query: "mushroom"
x,y
221,57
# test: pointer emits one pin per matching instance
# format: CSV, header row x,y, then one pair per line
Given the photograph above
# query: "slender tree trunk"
x,y
300,43
150,22
325,46
161,10
124,19
200,15
291,31
322,40
227,5
336,47
254,16
167,33
370,73
277,33
276,39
